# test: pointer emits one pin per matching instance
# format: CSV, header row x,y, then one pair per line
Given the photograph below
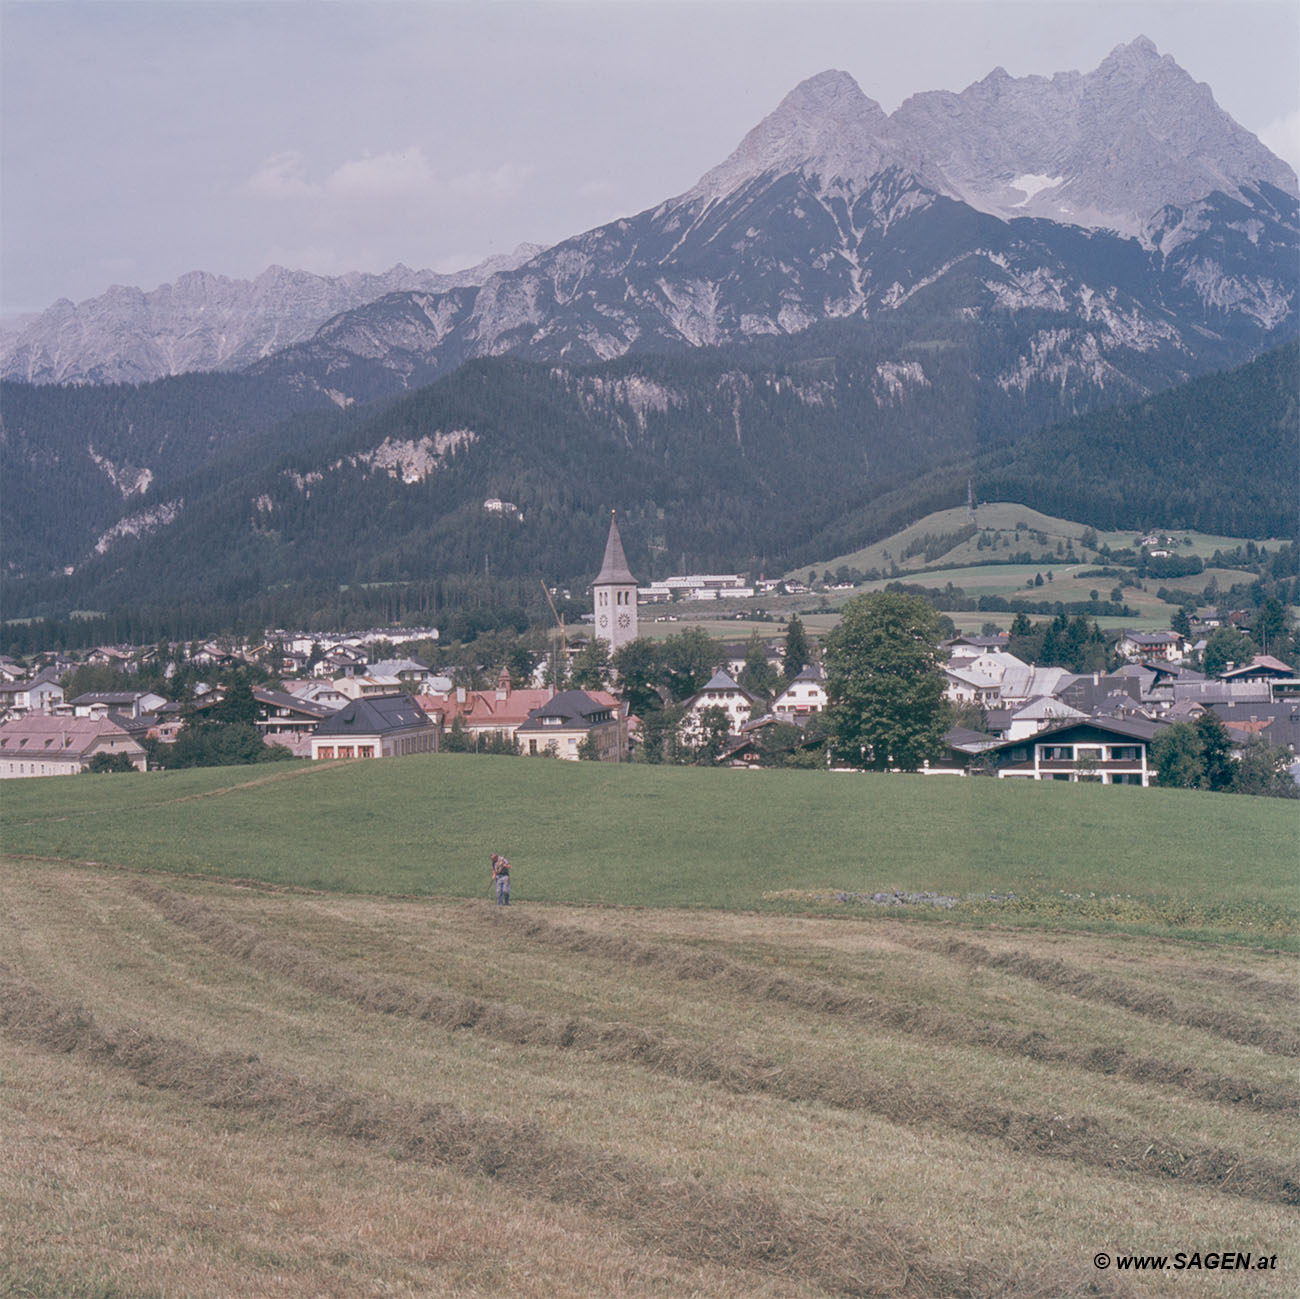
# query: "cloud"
x,y
281,177
397,174
1283,136
506,181
402,173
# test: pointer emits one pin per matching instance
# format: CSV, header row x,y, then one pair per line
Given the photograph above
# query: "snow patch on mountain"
x,y
1033,185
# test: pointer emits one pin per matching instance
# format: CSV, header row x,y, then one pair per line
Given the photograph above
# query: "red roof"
x,y
482,708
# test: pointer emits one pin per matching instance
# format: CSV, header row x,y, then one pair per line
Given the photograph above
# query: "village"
x,y
333,697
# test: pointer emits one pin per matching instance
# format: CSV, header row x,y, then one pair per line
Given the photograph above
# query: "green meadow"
x,y
1152,860
965,565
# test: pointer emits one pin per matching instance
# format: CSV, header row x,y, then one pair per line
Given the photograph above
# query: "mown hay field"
x,y
218,1089
234,1065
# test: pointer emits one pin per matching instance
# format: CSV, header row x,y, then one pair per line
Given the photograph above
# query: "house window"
x,y
365,751
532,748
345,750
1056,752
325,751
1087,754
1126,753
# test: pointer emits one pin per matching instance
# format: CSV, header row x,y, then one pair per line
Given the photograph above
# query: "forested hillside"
x,y
1219,455
713,460
76,459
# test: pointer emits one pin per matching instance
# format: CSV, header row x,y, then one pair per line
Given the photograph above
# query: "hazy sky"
x,y
145,139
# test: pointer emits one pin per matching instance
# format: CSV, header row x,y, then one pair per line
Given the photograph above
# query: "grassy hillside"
x,y
650,836
1014,525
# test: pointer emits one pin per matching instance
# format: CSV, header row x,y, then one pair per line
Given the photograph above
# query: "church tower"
x,y
614,594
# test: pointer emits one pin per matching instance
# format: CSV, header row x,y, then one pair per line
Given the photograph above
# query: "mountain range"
x,y
204,321
847,303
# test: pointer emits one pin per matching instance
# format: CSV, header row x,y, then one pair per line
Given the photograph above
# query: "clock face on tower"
x,y
624,620
604,620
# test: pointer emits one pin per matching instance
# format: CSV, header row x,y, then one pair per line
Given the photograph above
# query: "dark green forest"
x,y
1220,454
714,460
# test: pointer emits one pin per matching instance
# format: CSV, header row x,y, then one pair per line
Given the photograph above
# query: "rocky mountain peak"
x,y
1095,149
1140,53
825,127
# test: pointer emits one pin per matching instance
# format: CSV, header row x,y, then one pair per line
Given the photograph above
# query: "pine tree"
x,y
797,654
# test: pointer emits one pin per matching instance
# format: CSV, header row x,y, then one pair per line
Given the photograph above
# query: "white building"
x,y
805,695
697,586
720,692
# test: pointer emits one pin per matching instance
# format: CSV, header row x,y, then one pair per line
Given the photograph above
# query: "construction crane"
x,y
559,622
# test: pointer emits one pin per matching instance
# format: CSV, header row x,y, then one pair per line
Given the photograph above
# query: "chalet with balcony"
x,y
1102,750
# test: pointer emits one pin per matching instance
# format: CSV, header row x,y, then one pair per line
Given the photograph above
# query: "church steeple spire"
x,y
613,593
614,568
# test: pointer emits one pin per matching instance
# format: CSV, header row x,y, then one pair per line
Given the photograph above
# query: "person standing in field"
x,y
501,878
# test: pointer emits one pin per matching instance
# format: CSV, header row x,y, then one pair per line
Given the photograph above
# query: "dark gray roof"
x,y
376,715
614,569
280,699
1132,728
1281,720
572,707
1101,694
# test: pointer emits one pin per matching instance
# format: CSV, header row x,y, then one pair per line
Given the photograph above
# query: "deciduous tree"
x,y
884,681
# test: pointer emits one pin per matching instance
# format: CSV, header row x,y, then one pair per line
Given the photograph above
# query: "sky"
x,y
140,140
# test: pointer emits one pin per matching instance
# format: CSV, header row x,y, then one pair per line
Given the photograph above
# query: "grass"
x,y
212,1089
966,566
648,836
1006,519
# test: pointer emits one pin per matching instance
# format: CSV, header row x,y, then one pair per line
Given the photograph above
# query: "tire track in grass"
x,y
907,1017
1106,989
687,1218
1081,1139
296,773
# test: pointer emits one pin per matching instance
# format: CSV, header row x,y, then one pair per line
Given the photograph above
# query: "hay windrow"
x,y
685,1217
1108,990
916,1020
1080,1139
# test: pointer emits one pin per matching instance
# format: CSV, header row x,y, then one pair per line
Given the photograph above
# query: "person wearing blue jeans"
x,y
501,878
